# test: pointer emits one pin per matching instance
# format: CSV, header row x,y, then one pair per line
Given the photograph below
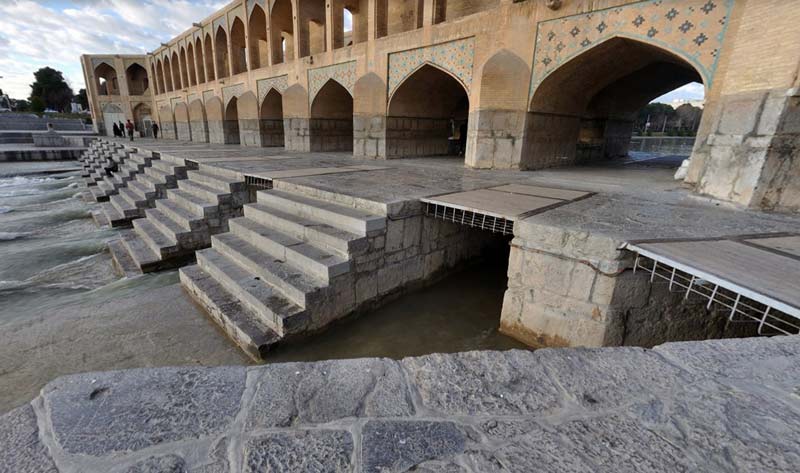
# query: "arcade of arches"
x,y
501,84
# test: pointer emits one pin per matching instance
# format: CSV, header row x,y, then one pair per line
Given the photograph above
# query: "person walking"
x,y
116,130
129,126
155,130
121,129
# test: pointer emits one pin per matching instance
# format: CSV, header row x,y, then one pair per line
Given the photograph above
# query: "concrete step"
x,y
277,312
202,191
98,194
345,218
144,190
297,286
170,167
164,244
186,219
137,194
217,181
114,217
238,321
145,258
126,206
342,241
192,203
160,176
310,259
121,259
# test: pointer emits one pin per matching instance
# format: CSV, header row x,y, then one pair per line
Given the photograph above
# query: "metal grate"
x,y
260,183
472,219
743,309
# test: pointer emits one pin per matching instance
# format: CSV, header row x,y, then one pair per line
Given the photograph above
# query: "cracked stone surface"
x,y
724,405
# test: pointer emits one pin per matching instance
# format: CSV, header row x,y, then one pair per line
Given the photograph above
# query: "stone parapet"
x,y
468,412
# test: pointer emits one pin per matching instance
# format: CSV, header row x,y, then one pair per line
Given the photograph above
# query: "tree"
x,y
82,99
37,105
51,88
22,105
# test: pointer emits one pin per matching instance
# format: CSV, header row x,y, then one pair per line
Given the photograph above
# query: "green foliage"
x,y
51,88
22,106
37,105
82,99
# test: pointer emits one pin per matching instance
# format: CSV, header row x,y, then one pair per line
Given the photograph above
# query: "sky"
x,y
39,33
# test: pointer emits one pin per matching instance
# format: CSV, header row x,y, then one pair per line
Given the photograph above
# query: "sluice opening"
x,y
458,310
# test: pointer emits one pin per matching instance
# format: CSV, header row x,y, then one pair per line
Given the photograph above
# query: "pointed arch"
x,y
198,122
259,49
281,24
190,60
221,53
238,47
106,80
184,69
137,79
168,74
176,71
331,122
142,119
230,125
208,53
200,61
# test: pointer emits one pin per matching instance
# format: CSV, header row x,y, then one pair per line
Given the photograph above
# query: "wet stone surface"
x,y
728,405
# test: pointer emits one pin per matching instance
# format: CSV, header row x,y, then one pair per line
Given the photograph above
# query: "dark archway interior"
x,y
106,80
427,115
230,125
331,124
585,110
138,82
271,119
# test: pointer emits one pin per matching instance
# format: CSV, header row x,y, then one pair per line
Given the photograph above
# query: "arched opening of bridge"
x,y
238,47
427,116
230,126
156,89
160,77
586,110
200,61
331,124
176,72
184,69
448,10
350,22
270,117
221,53
208,56
168,75
190,64
106,77
281,26
397,16
259,51
313,20
198,122
143,120
138,82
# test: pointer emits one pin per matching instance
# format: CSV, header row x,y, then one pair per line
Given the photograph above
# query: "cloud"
x,y
36,34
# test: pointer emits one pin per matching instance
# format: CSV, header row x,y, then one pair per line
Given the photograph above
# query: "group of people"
x,y
123,128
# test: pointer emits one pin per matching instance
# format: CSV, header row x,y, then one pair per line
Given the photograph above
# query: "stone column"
x,y
494,139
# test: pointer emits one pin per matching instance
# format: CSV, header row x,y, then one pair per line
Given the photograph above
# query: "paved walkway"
x,y
716,406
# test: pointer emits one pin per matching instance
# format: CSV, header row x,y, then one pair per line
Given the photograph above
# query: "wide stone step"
x,y
216,181
297,286
126,207
169,226
238,321
188,220
277,312
113,216
145,258
163,244
169,167
202,191
98,194
192,203
159,176
298,226
318,262
338,216
138,194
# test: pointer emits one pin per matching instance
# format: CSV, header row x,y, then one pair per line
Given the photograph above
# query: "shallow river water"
x,y
63,310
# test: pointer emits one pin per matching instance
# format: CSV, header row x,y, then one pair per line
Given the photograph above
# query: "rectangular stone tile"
x,y
20,448
483,383
100,413
317,393
318,451
397,446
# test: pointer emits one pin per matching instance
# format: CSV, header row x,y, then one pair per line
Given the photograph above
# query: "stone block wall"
x,y
167,130
296,134
271,132
494,139
369,136
331,134
407,136
183,130
216,132
199,131
250,132
230,130
569,288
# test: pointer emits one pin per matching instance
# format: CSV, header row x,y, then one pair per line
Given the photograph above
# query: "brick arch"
x,y
248,106
197,121
435,65
501,77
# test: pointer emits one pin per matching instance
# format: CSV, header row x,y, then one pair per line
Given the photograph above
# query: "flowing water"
x,y
63,310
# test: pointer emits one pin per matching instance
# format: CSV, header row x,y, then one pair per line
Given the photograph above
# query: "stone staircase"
x,y
285,268
148,179
184,220
112,179
98,163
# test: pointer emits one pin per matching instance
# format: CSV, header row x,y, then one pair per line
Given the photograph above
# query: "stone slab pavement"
x,y
726,405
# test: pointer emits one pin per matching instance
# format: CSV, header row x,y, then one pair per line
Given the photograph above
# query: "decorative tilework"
x,y
455,57
207,95
253,3
232,91
175,101
96,61
109,107
343,73
279,83
691,29
219,22
192,97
